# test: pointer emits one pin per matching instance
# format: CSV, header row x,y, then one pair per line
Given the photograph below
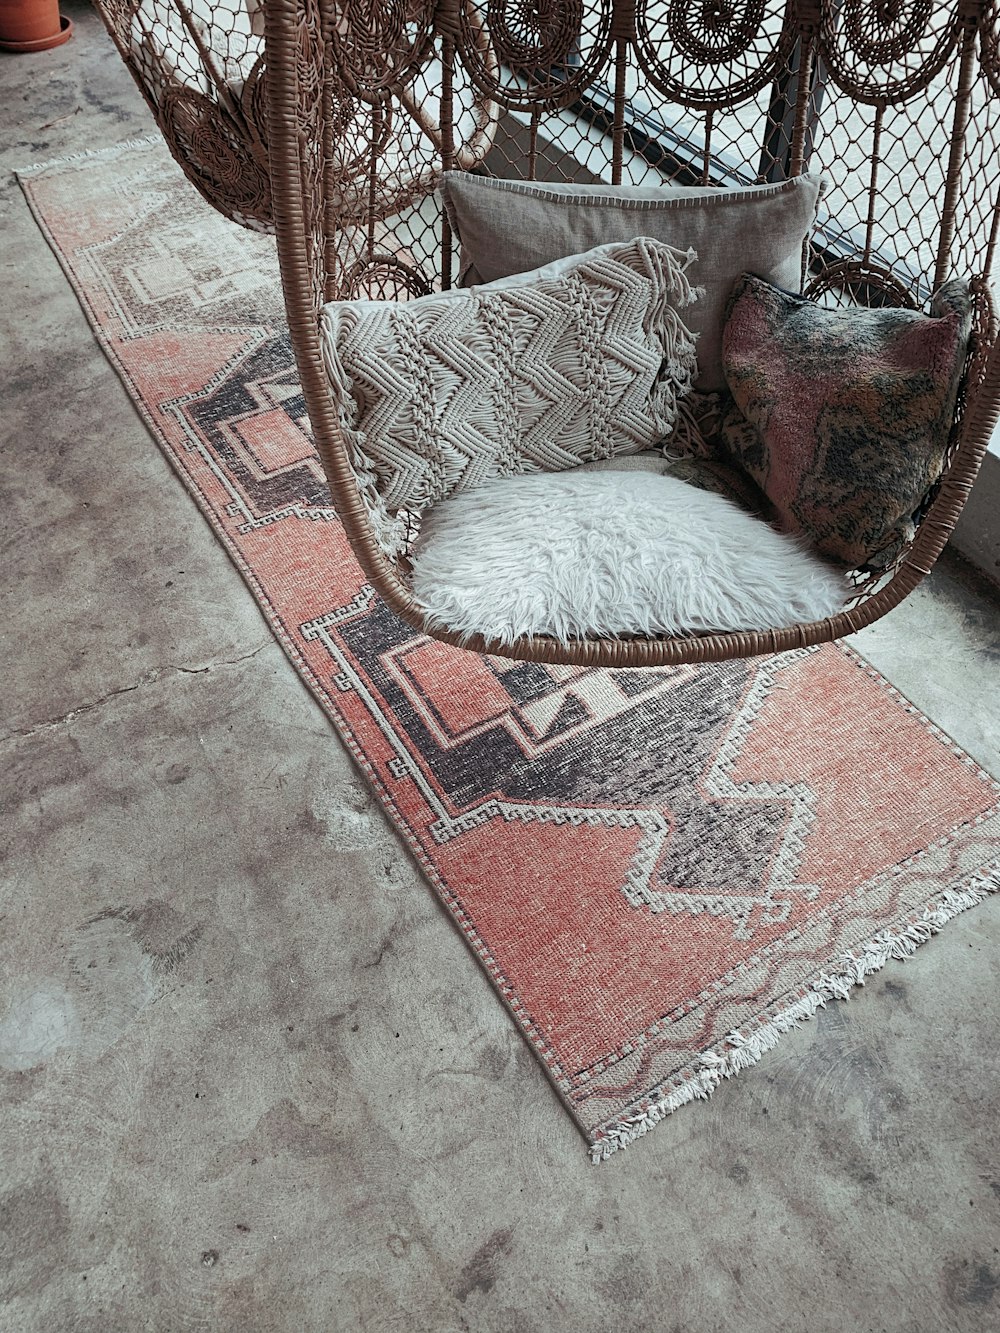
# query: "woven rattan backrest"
x,y
895,102
200,66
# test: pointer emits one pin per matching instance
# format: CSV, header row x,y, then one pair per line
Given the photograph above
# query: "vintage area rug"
x,y
661,871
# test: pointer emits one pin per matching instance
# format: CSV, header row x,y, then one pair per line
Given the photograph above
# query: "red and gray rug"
x,y
661,871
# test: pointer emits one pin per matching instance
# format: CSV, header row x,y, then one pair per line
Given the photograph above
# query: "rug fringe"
x,y
738,1051
130,145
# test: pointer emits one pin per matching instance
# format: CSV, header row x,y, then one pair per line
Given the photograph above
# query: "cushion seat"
x,y
583,554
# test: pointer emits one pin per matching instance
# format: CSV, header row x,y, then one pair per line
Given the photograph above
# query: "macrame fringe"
x,y
390,529
117,150
672,292
739,1050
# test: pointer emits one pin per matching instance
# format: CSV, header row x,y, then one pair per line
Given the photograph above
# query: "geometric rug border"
x,y
745,1046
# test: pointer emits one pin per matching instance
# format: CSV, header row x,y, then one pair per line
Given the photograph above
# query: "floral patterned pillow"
x,y
843,415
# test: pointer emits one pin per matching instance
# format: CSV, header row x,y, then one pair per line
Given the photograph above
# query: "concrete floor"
x,y
250,1077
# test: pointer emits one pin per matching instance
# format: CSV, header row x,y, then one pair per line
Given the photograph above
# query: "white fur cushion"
x,y
582,554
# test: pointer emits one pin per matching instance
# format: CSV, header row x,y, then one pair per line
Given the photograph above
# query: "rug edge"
x,y
737,1052
341,727
71,159
138,403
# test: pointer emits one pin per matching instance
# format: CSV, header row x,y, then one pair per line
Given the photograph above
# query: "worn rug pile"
x,y
660,870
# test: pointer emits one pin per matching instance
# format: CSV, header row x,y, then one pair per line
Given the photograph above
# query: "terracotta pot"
x,y
32,25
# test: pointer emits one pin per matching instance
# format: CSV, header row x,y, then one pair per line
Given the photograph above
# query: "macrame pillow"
x,y
507,226
843,416
581,360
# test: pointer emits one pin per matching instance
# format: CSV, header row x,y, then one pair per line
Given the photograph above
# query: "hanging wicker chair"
x,y
897,104
200,66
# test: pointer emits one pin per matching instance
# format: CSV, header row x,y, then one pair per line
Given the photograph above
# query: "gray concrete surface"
x,y
251,1079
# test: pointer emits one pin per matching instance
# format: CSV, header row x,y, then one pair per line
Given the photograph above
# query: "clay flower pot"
x,y
32,25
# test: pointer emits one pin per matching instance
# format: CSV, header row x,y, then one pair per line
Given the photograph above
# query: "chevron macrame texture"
x,y
581,360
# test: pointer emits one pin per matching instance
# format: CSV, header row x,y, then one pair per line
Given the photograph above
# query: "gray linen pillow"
x,y
510,227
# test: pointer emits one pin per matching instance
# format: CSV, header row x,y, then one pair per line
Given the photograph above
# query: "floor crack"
x,y
150,678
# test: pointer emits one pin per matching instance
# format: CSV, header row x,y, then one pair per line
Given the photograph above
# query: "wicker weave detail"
x,y
201,66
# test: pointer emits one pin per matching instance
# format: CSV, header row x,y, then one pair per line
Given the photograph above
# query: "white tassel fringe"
x,y
739,1050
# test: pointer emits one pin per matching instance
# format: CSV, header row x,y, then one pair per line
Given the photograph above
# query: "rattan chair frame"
x,y
936,63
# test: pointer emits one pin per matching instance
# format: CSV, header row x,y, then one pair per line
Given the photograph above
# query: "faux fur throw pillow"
x,y
579,360
595,553
843,415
